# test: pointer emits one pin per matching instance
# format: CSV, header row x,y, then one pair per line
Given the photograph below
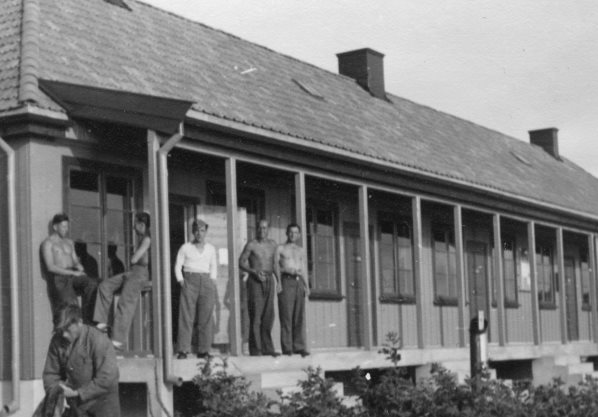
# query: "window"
x,y
510,272
100,201
546,276
322,247
395,252
445,266
586,304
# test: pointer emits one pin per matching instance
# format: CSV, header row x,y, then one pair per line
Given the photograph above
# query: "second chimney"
x,y
366,67
547,139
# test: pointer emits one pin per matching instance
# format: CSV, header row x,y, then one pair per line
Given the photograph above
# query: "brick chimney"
x,y
547,139
366,67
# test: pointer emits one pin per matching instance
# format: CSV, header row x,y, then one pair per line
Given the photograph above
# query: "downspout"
x,y
15,323
169,377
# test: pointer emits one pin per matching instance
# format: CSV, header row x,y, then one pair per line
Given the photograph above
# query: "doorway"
x,y
477,274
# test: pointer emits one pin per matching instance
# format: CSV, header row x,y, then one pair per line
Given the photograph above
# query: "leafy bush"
x,y
220,394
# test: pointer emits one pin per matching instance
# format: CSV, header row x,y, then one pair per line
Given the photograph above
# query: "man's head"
x,y
69,323
200,230
142,223
262,229
293,232
60,224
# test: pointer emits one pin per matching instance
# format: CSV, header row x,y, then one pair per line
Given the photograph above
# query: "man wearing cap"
x,y
257,259
196,270
82,363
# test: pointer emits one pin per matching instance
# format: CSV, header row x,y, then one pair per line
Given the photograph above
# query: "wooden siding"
x,y
519,320
550,325
585,326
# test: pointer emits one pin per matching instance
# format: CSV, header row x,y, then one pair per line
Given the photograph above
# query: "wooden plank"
x,y
533,272
593,286
232,221
562,284
365,267
416,215
460,266
153,144
499,279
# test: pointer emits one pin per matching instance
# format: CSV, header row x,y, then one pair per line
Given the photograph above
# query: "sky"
x,y
509,65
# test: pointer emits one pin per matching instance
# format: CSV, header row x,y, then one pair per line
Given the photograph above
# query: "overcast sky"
x,y
510,65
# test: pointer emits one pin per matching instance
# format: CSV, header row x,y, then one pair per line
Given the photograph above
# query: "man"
x,y
129,284
67,278
257,259
293,289
196,270
81,361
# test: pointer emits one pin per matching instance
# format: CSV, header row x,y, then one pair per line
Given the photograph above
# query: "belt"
x,y
291,276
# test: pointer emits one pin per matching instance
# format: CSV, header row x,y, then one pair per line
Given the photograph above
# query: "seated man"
x,y
130,285
67,278
81,361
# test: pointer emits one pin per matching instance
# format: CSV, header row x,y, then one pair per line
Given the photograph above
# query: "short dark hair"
x,y
67,316
59,218
291,225
143,218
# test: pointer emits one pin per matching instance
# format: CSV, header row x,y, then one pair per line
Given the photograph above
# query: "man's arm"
x,y
104,366
213,264
49,261
141,250
52,374
76,261
178,266
277,253
302,273
244,259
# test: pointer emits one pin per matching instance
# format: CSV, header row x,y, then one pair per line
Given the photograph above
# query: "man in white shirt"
x,y
196,271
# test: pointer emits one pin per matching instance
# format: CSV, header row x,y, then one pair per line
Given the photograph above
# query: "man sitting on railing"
x,y
130,285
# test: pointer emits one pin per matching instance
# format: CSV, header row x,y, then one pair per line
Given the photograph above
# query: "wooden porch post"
x,y
562,283
458,220
416,214
533,274
153,145
593,286
365,267
301,220
499,279
232,222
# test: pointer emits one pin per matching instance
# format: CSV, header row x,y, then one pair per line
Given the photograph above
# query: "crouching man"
x,y
81,360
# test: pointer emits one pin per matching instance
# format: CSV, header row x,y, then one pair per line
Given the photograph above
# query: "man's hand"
x,y
68,392
261,276
182,283
78,273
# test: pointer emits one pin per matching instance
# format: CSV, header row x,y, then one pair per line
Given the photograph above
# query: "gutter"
x,y
15,323
167,351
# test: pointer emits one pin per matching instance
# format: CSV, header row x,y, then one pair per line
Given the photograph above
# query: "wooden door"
x,y
477,274
571,300
354,282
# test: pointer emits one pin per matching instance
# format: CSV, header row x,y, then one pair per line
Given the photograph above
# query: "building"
x,y
414,220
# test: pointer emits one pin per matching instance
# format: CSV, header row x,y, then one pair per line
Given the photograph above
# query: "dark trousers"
x,y
198,298
291,309
64,290
260,305
130,285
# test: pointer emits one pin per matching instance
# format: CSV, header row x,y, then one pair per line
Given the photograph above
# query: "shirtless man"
x,y
67,278
293,289
257,259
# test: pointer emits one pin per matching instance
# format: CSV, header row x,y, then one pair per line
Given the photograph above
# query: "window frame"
x,y
335,294
541,274
510,303
583,260
449,232
397,297
104,170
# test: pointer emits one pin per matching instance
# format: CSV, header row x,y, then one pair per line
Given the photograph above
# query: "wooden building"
x,y
414,220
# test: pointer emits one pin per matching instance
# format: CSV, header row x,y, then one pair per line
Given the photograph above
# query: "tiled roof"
x,y
10,48
150,51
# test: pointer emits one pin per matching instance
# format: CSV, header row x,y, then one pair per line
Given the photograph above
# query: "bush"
x,y
219,394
